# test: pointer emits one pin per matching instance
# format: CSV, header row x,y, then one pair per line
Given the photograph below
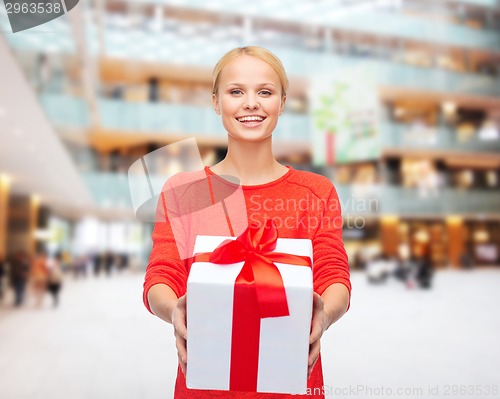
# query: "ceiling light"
x,y
449,108
35,199
4,180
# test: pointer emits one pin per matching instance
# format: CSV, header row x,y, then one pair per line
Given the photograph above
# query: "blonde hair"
x,y
254,51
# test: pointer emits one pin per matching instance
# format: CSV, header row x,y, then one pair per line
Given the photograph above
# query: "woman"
x,y
55,277
249,93
39,276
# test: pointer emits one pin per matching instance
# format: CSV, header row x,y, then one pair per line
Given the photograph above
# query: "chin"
x,y
249,135
249,139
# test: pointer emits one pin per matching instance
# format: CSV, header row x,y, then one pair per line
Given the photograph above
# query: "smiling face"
x,y
249,98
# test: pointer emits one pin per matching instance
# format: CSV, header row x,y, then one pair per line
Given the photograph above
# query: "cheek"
x,y
277,106
228,107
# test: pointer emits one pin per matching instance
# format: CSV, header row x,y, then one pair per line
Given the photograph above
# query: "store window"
x,y
483,240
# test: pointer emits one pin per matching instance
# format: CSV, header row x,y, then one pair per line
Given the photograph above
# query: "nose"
x,y
251,102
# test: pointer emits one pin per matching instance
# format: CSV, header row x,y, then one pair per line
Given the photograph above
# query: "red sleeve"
x,y
165,265
329,255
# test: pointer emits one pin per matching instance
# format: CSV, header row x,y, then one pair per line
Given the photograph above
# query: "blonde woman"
x,y
249,93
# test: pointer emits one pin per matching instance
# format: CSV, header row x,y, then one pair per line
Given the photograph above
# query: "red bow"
x,y
258,293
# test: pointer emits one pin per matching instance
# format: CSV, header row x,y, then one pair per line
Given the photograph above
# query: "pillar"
x,y
4,213
456,239
22,223
389,232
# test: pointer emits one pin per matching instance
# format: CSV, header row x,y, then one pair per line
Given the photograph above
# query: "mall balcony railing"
x,y
483,3
405,136
365,200
136,117
370,20
388,70
393,74
111,190
202,121
183,119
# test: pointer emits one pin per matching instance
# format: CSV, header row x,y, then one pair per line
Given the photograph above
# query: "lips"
x,y
251,120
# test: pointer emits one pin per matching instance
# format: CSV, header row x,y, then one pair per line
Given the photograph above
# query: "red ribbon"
x,y
258,293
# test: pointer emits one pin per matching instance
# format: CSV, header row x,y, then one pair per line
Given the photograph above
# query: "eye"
x,y
266,92
235,91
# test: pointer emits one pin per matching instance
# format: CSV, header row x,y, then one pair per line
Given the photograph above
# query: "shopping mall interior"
x,y
397,102
112,81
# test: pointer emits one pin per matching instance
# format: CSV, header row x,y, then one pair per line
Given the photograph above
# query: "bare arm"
x,y
162,300
164,303
336,301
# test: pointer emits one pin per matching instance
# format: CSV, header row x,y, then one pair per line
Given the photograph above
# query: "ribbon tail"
x,y
271,294
245,339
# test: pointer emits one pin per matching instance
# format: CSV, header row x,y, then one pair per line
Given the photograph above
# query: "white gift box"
x,y
284,341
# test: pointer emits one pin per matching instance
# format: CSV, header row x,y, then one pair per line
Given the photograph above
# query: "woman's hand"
x,y
180,331
317,330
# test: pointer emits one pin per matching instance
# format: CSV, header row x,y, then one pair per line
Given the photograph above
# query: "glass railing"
x,y
66,110
183,119
362,17
202,121
393,200
483,3
137,117
111,190
393,74
387,72
394,24
440,138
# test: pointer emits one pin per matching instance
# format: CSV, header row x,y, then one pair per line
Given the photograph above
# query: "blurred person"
x,y
411,269
3,272
380,268
80,266
109,262
153,89
359,261
466,260
424,271
249,93
97,261
43,72
54,279
428,181
121,262
39,276
19,273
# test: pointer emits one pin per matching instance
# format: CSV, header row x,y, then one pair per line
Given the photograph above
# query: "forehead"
x,y
248,68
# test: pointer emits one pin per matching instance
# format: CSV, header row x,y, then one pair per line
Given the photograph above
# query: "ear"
x,y
216,104
282,106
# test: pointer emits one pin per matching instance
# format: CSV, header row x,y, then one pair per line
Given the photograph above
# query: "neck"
x,y
251,163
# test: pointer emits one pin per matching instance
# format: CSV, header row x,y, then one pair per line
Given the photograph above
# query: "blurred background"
x,y
396,101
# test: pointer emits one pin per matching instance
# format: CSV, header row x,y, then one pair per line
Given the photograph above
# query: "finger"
x,y
317,319
180,344
182,366
314,352
180,327
316,331
179,318
310,368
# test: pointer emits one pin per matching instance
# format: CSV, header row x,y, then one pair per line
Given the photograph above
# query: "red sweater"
x,y
303,205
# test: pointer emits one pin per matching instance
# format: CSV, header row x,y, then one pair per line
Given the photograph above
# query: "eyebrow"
x,y
242,84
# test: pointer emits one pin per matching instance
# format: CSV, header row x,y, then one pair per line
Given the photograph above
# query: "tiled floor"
x,y
102,343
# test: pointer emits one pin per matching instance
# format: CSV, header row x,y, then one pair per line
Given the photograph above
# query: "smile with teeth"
x,y
253,119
